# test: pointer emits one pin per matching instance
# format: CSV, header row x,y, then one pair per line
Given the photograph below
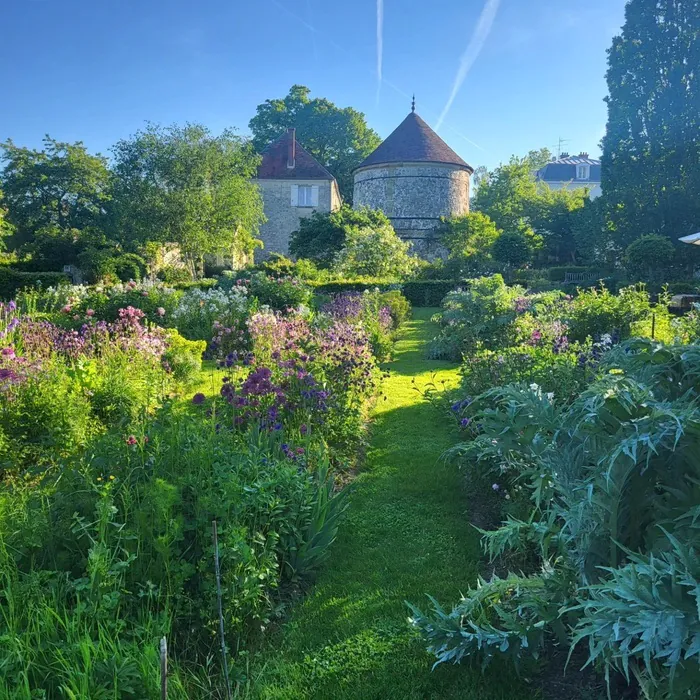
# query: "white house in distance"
x,y
572,172
293,185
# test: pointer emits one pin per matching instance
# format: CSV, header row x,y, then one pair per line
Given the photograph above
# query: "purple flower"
x,y
198,399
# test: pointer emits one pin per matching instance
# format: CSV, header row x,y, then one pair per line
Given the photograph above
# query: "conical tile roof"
x,y
413,141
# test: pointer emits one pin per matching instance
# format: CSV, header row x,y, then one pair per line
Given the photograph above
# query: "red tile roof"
x,y
274,162
413,141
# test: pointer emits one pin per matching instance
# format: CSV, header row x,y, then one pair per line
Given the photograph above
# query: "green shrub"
x,y
483,315
427,292
398,305
280,292
374,251
597,311
555,371
184,357
649,255
12,281
358,284
43,418
173,275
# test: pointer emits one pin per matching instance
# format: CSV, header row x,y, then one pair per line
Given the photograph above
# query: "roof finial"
x,y
413,103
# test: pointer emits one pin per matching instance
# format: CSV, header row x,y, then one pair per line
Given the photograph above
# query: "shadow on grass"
x,y
406,534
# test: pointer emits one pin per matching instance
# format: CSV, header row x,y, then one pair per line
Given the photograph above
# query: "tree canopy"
x,y
184,185
338,137
651,150
60,187
321,237
374,251
512,198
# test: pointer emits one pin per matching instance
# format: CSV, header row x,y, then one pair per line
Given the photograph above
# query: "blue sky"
x,y
95,70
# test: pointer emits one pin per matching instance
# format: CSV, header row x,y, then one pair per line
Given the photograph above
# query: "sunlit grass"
x,y
405,534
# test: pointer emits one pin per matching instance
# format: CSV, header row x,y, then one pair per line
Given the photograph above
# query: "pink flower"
x,y
76,317
144,294
90,313
131,440
160,311
66,309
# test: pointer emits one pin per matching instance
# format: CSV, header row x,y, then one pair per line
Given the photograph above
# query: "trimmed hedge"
x,y
341,286
558,274
204,283
428,292
11,281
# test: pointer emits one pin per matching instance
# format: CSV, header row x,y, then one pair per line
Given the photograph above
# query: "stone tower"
x,y
414,177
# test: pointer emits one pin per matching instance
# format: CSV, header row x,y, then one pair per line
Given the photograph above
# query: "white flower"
x,y
534,387
550,395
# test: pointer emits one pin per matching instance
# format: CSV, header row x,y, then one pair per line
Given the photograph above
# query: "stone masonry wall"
x,y
282,217
414,197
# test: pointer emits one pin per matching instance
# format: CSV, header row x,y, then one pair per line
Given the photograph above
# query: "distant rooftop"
x,y
413,141
564,169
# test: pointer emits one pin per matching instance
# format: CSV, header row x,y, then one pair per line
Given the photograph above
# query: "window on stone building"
x,y
304,195
582,172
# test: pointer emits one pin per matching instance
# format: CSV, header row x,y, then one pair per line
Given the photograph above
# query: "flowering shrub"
x,y
301,377
489,314
280,293
102,302
372,312
60,386
199,314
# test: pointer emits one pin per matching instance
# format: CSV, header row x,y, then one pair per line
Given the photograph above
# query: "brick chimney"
x,y
583,154
291,147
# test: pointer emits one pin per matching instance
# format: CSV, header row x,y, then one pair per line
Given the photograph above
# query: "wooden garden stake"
x,y
653,326
217,571
163,669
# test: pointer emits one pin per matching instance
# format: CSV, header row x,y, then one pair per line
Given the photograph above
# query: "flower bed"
x,y
111,482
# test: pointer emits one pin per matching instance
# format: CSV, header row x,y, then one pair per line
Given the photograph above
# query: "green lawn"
x,y
405,534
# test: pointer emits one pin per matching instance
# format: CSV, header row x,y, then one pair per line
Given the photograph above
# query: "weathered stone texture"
x,y
282,217
414,196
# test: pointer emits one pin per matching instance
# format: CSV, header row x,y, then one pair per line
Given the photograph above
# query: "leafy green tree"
x,y
651,150
649,255
592,234
321,236
338,137
184,185
468,240
509,193
511,196
515,248
6,228
468,236
62,186
374,251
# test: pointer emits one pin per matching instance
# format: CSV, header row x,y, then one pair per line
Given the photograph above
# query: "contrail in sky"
x,y
476,43
380,44
370,70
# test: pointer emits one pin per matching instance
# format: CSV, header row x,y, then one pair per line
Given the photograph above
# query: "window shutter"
x,y
314,196
295,195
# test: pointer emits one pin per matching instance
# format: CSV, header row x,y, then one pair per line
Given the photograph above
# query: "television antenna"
x,y
559,146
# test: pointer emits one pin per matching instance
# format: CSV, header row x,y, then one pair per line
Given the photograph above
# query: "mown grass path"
x,y
405,534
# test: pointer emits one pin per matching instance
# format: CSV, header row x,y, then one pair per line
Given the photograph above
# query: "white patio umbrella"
x,y
692,239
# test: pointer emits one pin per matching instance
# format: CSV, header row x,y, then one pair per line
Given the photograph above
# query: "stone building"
x,y
414,177
572,172
293,184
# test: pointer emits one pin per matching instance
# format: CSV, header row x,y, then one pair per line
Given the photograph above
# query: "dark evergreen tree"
x,y
651,151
